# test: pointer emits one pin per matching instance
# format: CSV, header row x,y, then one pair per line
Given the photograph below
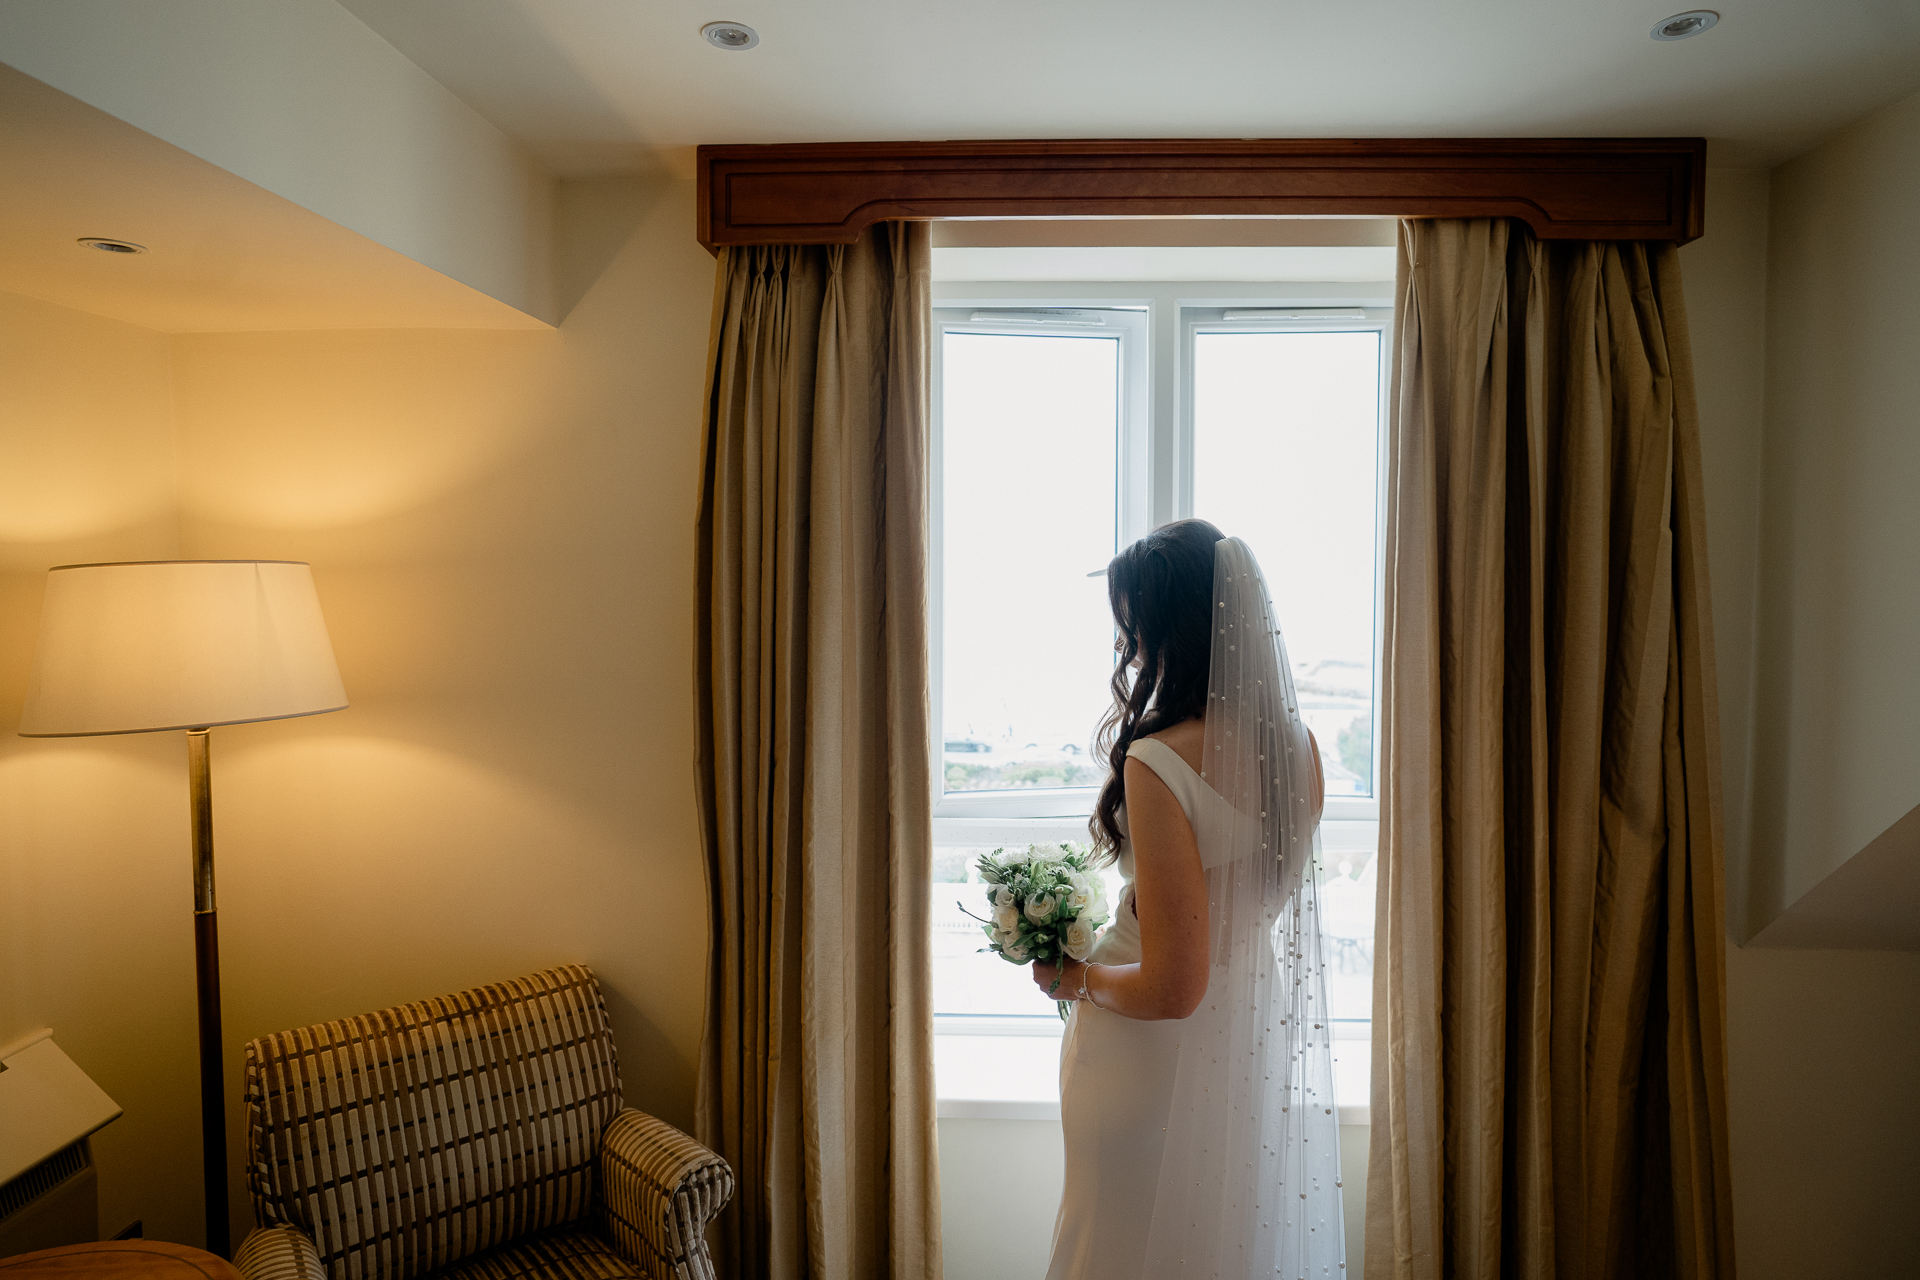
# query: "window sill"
x,y
997,1109
1007,1068
1050,1026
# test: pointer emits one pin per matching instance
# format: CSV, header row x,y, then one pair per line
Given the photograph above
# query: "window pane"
x,y
1030,438
1346,876
1286,431
967,980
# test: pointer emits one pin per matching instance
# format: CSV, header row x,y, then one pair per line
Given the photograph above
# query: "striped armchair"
x,y
477,1136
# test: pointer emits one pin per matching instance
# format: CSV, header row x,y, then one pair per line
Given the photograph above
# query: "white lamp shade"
x,y
178,644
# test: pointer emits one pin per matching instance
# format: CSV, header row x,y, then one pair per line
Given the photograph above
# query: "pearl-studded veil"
x,y
1250,1178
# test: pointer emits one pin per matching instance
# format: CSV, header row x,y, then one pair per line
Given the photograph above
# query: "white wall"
x,y
302,98
1822,1047
999,1193
1000,1190
95,907
1837,737
1823,1121
501,529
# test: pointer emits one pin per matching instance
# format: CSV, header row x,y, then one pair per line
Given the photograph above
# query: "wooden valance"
x,y
1564,188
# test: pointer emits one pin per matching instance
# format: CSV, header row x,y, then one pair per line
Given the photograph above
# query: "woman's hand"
x,y
1069,976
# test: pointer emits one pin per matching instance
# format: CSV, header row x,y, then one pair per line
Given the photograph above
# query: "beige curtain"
x,y
1549,1079
816,1077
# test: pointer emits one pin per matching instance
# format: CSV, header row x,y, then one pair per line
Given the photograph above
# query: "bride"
x,y
1196,1075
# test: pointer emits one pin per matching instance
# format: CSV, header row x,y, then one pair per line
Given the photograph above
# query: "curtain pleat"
x,y
1549,1082
816,1076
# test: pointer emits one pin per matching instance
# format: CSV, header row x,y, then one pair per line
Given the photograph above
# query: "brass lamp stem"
x,y
206,963
200,794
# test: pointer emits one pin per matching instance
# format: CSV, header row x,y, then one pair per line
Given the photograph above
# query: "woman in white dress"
x,y
1196,1091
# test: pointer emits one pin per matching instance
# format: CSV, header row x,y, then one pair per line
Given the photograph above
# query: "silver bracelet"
x,y
1085,994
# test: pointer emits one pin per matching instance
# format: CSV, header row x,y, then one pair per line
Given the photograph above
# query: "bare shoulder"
x,y
1188,738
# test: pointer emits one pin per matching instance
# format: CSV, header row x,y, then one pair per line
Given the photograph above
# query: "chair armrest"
x,y
278,1253
659,1189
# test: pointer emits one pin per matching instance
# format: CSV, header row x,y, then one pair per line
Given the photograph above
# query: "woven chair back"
x,y
405,1140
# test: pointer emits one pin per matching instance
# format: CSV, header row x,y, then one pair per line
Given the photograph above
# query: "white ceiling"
x,y
602,85
223,254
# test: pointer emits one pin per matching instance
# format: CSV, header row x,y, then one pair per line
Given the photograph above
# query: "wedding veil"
x,y
1250,1179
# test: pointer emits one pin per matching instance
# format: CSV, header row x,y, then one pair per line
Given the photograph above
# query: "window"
x,y
1033,411
1065,427
1285,443
1040,415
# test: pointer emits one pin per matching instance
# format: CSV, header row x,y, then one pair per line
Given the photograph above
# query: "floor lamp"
x,y
155,645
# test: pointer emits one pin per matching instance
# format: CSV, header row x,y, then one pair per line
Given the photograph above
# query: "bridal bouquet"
x,y
1046,904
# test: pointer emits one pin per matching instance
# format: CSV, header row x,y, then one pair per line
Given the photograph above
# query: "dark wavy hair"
x,y
1161,591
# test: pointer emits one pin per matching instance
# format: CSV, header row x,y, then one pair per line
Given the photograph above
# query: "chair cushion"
x,y
550,1255
406,1140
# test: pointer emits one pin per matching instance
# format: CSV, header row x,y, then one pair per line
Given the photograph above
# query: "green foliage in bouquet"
x,y
1045,904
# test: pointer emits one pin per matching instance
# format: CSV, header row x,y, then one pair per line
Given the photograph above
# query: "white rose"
x,y
1079,939
1041,906
1011,948
1079,894
1004,909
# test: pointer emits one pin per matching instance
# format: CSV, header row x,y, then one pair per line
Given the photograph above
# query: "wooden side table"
x,y
118,1260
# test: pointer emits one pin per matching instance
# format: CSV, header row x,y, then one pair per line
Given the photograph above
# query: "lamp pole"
x,y
206,966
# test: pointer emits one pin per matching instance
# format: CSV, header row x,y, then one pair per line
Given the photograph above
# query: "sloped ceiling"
x,y
1871,902
224,254
596,85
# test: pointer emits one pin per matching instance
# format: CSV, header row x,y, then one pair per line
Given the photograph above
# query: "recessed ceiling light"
x,y
105,245
1682,25
730,35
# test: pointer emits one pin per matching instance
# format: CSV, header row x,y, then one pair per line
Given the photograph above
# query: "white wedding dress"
x,y
1208,1147
1116,1079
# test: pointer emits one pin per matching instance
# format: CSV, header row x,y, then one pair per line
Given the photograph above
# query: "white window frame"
x,y
1155,486
961,817
1296,318
1156,481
